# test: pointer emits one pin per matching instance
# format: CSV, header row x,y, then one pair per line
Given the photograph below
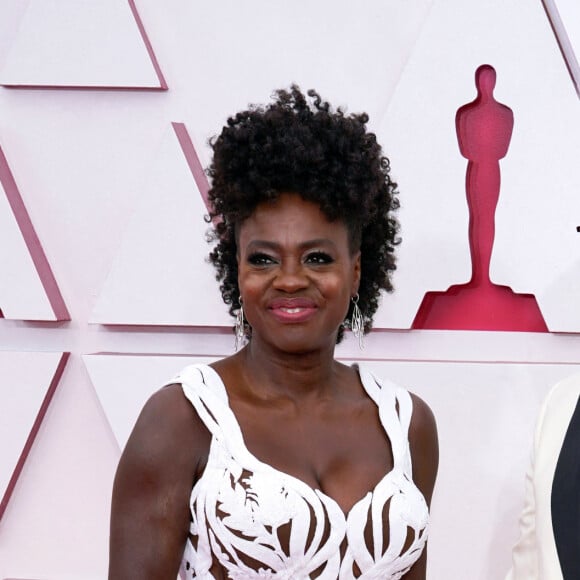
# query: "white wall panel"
x,y
29,382
565,18
56,522
220,56
87,43
539,192
28,289
161,275
124,383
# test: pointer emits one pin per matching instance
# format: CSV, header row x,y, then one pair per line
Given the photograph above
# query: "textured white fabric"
x,y
535,556
239,504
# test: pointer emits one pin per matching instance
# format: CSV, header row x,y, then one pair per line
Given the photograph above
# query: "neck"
x,y
294,375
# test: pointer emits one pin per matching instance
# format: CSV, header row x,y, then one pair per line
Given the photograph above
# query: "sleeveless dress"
x,y
239,505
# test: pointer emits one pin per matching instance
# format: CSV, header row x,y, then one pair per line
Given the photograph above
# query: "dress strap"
x,y
208,397
395,410
205,390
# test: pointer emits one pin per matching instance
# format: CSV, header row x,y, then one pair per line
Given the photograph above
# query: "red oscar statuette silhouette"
x,y
484,128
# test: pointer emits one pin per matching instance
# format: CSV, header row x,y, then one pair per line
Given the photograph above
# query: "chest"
x,y
268,520
271,500
344,451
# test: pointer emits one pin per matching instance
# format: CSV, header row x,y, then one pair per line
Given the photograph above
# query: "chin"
x,y
303,344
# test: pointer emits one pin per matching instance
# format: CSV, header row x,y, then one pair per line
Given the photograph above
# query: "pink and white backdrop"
x,y
105,111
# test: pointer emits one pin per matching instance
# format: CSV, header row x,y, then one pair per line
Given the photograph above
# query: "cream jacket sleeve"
x,y
535,557
525,553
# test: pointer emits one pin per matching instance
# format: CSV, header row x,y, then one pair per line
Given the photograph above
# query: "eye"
x,y
319,258
260,259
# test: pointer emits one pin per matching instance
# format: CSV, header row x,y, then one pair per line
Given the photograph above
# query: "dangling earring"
x,y
239,330
357,323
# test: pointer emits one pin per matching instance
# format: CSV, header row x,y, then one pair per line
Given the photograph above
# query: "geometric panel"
x,y
537,248
160,275
28,289
193,161
73,44
30,380
419,134
124,383
565,18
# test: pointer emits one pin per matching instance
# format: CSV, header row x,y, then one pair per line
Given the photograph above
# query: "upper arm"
x,y
424,445
150,506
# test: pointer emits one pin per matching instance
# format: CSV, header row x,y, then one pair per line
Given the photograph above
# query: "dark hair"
x,y
299,144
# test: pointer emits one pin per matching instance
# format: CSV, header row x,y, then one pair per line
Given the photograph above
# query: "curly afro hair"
x,y
298,143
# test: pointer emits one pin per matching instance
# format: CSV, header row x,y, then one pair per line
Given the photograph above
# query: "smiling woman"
x,y
296,274
279,461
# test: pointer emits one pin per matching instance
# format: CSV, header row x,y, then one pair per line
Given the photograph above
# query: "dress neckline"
x,y
253,463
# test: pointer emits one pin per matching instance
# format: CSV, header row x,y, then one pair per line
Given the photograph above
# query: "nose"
x,y
290,277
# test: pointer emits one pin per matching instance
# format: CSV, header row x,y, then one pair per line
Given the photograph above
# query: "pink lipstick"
x,y
292,310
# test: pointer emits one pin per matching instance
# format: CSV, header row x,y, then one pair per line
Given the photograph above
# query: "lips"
x,y
292,310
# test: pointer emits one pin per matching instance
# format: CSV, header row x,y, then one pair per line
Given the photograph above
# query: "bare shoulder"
x,y
159,465
168,405
168,429
424,444
166,449
423,420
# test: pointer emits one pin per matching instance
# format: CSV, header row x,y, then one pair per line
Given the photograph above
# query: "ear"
x,y
356,273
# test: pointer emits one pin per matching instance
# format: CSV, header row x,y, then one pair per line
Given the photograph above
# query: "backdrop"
x,y
106,107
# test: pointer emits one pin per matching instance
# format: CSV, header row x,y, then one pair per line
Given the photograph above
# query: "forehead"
x,y
290,217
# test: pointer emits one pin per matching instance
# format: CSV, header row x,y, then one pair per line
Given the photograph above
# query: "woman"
x,y
280,461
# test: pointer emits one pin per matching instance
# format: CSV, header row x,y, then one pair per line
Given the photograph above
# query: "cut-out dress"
x,y
240,505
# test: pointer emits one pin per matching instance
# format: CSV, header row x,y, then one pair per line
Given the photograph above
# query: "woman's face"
x,y
296,274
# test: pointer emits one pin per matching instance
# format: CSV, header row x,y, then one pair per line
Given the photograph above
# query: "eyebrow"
x,y
303,245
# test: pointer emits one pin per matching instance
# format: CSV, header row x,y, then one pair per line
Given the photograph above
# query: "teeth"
x,y
292,310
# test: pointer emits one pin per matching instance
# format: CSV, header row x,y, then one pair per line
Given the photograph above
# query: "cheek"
x,y
251,285
339,289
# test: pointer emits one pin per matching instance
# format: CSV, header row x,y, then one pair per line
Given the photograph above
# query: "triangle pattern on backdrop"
x,y
90,44
565,18
123,384
28,289
160,275
25,402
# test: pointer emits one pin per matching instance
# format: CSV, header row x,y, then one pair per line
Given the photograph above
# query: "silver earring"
x,y
357,323
239,330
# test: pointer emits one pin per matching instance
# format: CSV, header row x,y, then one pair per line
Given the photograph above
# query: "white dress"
x,y
240,504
